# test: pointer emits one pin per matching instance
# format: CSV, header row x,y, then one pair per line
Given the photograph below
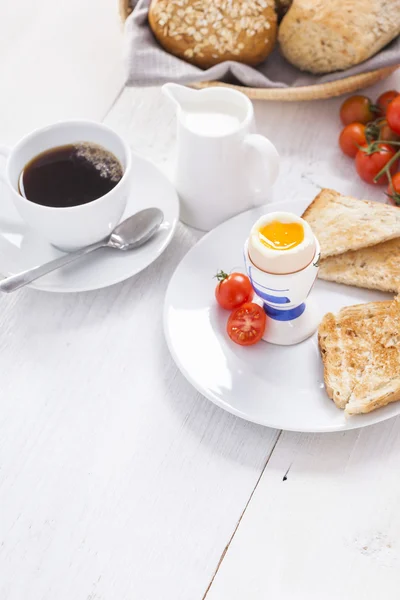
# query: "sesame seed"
x,y
212,25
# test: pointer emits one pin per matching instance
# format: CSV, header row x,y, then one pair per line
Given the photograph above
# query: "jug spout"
x,y
180,95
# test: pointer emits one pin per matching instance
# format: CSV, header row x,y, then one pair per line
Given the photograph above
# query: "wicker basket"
x,y
310,92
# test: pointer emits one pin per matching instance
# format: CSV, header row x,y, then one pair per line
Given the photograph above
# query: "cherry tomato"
x,y
385,99
233,290
393,115
393,190
246,325
371,159
379,130
386,134
351,138
357,109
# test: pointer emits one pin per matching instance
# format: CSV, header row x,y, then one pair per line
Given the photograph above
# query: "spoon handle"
x,y
10,284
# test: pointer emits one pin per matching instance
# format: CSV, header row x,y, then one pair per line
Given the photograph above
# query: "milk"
x,y
211,123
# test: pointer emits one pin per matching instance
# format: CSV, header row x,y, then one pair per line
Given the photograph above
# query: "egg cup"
x,y
292,316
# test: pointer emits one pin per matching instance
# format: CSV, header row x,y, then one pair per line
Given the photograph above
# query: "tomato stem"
x,y
375,146
386,168
221,276
372,131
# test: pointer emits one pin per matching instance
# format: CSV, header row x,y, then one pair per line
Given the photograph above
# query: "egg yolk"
x,y
281,236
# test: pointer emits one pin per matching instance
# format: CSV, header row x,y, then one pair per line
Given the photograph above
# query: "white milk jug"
x,y
223,167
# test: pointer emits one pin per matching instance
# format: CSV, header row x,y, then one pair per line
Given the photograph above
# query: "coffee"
x,y
70,175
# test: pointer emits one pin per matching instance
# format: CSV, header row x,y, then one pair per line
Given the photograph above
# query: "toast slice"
x,y
342,223
376,267
345,345
379,383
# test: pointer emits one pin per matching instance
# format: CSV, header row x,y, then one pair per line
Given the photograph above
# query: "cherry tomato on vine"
x,y
371,159
379,130
393,115
351,138
385,99
393,190
386,134
233,290
357,109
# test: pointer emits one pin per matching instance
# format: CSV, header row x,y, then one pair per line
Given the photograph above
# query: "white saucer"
x,y
21,248
276,386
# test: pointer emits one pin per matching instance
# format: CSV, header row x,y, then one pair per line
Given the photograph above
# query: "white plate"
x,y
276,386
21,248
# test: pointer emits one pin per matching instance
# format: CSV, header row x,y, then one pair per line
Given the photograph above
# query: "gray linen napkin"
x,y
148,64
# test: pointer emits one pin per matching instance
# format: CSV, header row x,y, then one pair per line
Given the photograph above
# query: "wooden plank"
x,y
58,60
117,480
323,522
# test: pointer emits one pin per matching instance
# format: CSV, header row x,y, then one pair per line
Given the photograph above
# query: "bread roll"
x,y
322,36
207,32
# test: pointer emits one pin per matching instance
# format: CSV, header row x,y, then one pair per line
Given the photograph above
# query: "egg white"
x,y
281,261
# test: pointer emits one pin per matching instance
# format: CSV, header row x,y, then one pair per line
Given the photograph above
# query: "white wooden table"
x,y
117,480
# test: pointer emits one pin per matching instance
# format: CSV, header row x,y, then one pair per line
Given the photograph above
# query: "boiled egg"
x,y
281,243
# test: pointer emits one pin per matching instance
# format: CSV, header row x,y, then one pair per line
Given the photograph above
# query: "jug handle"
x,y
268,166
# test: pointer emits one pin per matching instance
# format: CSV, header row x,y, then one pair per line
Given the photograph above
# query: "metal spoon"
x,y
131,233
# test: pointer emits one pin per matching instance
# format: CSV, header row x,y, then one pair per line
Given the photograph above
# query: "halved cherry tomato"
x,y
357,109
246,325
233,290
393,115
371,159
385,99
351,138
393,190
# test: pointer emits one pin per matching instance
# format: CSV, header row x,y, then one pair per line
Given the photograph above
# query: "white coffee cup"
x,y
223,167
72,227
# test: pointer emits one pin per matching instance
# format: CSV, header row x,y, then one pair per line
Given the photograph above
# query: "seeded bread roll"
x,y
208,32
322,36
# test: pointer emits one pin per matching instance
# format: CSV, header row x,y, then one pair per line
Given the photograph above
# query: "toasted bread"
x,y
345,341
379,383
342,223
375,268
